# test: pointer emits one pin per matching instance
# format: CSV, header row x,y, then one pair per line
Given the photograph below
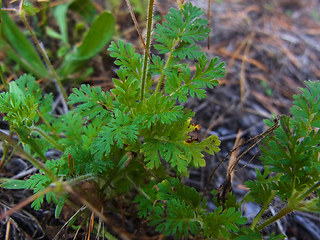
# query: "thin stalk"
x,y
257,218
45,57
90,205
28,156
138,188
161,79
283,212
137,27
26,202
4,154
48,138
6,158
308,192
148,42
120,166
208,14
80,179
54,132
149,25
105,233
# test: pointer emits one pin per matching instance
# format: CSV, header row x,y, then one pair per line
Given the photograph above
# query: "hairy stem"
x,y
175,43
161,79
82,178
54,131
257,218
48,138
146,55
283,212
308,192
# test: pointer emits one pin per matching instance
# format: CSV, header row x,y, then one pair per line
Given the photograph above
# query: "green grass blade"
x,y
97,37
60,14
22,47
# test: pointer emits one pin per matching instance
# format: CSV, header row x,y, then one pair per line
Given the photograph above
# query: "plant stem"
x,y
54,131
138,188
257,218
26,202
48,138
4,154
82,178
308,192
1,72
86,202
283,212
31,159
115,171
147,50
45,57
106,234
162,73
43,119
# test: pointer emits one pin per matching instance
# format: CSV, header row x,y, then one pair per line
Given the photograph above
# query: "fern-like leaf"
x,y
158,108
121,130
21,102
126,88
221,223
39,182
171,145
129,61
306,108
92,101
261,189
180,220
179,34
180,84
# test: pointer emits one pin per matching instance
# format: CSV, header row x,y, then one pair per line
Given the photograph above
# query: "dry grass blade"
x,y
67,222
8,230
233,158
87,203
224,52
90,226
237,51
243,69
134,19
252,142
76,234
26,202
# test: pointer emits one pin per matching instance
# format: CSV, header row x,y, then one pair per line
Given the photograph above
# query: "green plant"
x,y
291,160
134,141
71,58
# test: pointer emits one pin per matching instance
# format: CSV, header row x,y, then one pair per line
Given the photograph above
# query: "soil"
x,y
270,48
